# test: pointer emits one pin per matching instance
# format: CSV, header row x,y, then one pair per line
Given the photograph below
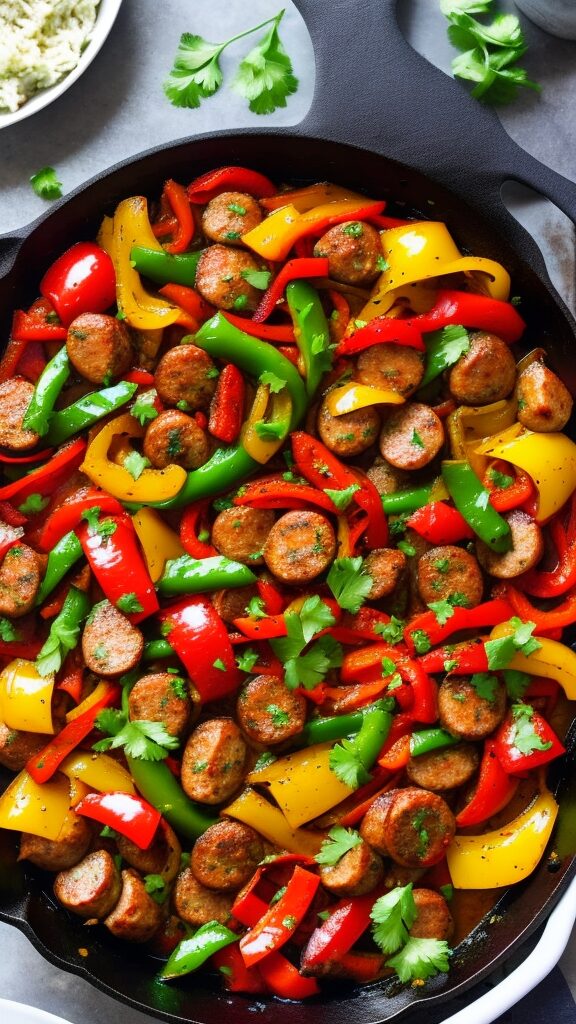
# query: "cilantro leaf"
x,y
257,278
45,184
340,840
143,408
392,632
421,959
516,683
275,384
421,641
406,548
349,583
485,685
219,664
443,349
34,503
278,715
449,7
129,604
196,73
500,480
136,464
524,737
7,631
443,611
393,915
265,77
156,887
148,741
315,615
346,764
342,498
105,528
63,636
247,659
255,608
501,651
271,431
309,669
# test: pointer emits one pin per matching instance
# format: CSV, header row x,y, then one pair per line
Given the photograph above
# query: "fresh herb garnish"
x,y
129,604
144,409
340,840
148,741
349,583
45,184
500,652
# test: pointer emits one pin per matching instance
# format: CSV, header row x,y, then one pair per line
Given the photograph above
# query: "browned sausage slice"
x,y
356,873
450,573
433,917
213,761
353,250
526,551
544,402
392,367
240,533
386,478
198,905
300,546
15,396
484,374
161,697
136,915
232,604
111,645
186,374
19,580
174,437
58,854
90,888
99,347
269,712
412,436
221,278
443,769
350,434
229,216
226,856
16,747
413,826
386,566
463,712
162,857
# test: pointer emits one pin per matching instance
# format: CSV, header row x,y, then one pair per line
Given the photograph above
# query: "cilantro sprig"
x,y
265,76
415,959
307,667
46,185
340,840
524,736
349,583
148,741
501,651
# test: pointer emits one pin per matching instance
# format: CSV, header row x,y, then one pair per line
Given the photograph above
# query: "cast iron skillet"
x,y
386,122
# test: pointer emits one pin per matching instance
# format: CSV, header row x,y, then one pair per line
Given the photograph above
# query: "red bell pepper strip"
x,y
321,468
179,203
118,565
82,280
562,615
284,980
384,223
504,499
227,405
356,629
494,789
11,515
26,327
261,629
367,795
10,649
336,936
201,641
268,332
18,460
68,515
280,921
42,766
129,815
73,675
47,477
361,967
563,577
32,361
341,309
10,359
467,658
293,270
471,310
274,601
382,330
229,179
396,757
275,492
439,523
362,665
192,525
349,698
511,758
489,613
139,376
189,300
237,977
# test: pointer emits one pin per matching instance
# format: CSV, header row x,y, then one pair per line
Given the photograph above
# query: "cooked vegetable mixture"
x,y
288,546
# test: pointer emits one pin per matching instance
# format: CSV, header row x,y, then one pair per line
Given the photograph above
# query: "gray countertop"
x,y
117,109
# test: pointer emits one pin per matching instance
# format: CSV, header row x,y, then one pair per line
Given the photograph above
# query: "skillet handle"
x,y
373,90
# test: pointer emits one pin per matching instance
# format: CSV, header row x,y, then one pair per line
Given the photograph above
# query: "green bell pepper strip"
x,y
335,727
406,501
311,332
195,950
62,557
473,502
441,353
64,632
156,783
426,740
88,410
48,386
187,575
157,649
376,723
164,268
231,466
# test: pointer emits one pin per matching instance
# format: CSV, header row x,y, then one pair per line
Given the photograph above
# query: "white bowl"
x,y
105,18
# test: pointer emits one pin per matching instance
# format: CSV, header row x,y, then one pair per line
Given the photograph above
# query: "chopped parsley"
x,y
105,528
278,715
342,498
416,440
255,608
247,659
219,664
523,736
136,464
354,229
259,279
34,503
392,632
144,409
382,264
129,604
8,634
500,652
516,683
486,685
500,480
156,887
237,209
421,641
309,668
443,611
406,548
275,384
340,840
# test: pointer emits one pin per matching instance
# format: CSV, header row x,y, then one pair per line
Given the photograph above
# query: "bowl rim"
x,y
105,17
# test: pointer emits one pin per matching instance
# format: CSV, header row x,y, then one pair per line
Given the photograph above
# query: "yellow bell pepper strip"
x,y
98,771
130,228
26,697
254,810
275,235
41,810
267,425
553,660
507,855
469,425
550,459
101,691
159,543
309,196
422,250
351,397
151,485
303,783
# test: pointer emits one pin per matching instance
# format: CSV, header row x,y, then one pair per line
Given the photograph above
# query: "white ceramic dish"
x,y
105,19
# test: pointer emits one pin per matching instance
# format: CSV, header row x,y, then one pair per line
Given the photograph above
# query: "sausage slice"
x,y
175,438
240,533
443,769
395,367
196,904
386,566
229,216
19,581
269,712
161,697
213,761
15,396
412,436
413,826
463,712
350,434
300,546
356,873
111,645
526,551
226,855
544,402
99,347
136,915
58,854
352,250
484,374
221,278
162,857
449,572
90,888
433,917
186,374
